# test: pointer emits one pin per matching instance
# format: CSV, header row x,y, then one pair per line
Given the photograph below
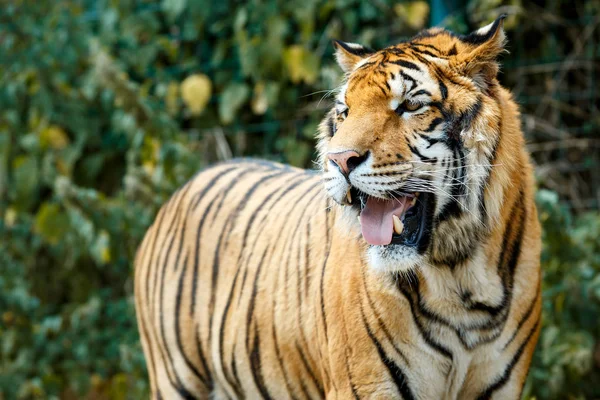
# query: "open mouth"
x,y
403,219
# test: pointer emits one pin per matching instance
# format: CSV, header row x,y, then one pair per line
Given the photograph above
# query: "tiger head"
x,y
409,144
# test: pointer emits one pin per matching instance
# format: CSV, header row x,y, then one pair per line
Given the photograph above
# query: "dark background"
x,y
107,106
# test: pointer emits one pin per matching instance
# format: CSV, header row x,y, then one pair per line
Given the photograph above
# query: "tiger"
x,y
406,266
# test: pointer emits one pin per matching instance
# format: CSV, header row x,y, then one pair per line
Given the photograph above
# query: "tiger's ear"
x,y
349,54
479,60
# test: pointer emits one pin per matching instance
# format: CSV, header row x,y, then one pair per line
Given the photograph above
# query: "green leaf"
x,y
26,175
51,223
173,8
232,98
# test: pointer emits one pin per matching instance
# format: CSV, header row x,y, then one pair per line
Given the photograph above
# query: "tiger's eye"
x,y
410,106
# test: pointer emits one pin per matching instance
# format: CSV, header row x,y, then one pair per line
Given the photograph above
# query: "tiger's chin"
x,y
394,258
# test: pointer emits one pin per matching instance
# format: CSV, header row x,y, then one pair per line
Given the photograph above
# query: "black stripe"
x,y
424,61
199,196
431,141
195,281
433,125
156,229
509,256
249,225
299,288
352,386
452,208
426,159
365,65
289,243
394,369
175,202
176,382
443,90
406,64
476,39
381,323
256,367
245,237
305,390
178,328
524,318
413,81
250,312
201,355
310,371
482,204
420,92
357,51
503,379
326,258
382,90
331,126
230,219
429,46
410,279
307,258
221,196
233,216
469,116
278,354
428,53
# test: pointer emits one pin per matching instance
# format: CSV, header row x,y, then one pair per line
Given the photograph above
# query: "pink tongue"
x,y
376,219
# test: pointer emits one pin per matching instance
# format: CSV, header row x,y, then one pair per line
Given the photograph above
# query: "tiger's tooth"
x,y
398,225
358,217
349,197
413,201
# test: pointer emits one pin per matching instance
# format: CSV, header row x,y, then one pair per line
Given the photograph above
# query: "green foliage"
x,y
106,107
567,361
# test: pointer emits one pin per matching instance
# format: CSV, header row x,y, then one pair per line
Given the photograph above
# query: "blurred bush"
x,y
107,106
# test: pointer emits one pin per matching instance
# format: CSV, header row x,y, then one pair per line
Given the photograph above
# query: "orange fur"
x,y
254,283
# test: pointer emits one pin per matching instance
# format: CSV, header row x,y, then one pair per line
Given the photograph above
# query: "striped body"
x,y
257,280
246,287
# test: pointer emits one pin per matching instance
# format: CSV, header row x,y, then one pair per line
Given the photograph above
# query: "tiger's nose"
x,y
348,160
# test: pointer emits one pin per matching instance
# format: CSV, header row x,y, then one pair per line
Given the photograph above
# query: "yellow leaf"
x,y
105,255
414,13
96,380
54,137
171,98
63,167
150,154
10,217
302,65
8,317
260,103
196,91
101,248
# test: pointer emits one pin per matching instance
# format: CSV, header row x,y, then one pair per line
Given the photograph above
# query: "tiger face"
x,y
409,144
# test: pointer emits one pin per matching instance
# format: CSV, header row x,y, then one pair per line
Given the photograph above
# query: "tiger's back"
x,y
226,267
